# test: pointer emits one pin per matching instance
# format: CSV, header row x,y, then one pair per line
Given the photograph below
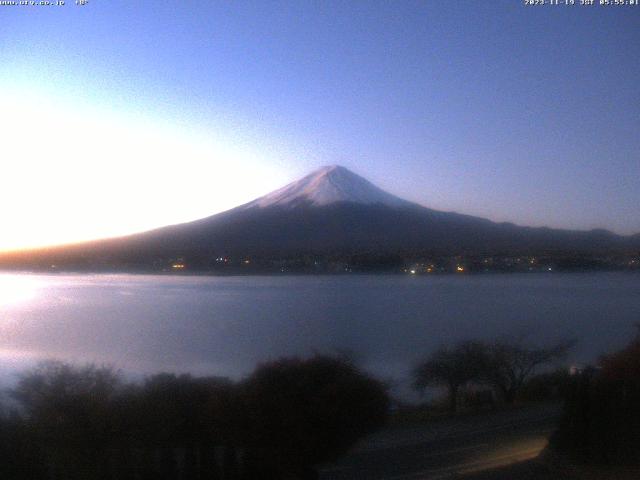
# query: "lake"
x,y
226,325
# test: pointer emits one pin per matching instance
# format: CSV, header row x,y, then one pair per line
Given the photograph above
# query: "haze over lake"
x,y
225,325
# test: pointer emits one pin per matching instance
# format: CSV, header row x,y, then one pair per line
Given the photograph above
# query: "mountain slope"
x,y
329,212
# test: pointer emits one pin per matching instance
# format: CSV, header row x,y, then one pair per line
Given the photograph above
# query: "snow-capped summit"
x,y
327,185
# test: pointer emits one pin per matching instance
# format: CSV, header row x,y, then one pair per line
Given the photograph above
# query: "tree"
x,y
601,417
70,415
301,413
507,366
615,407
171,412
452,368
20,459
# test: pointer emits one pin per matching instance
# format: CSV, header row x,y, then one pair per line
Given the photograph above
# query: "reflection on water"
x,y
224,326
17,288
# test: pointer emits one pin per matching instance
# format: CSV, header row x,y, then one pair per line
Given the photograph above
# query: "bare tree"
x,y
452,368
507,366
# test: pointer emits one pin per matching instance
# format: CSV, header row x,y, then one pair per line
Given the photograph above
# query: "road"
x,y
448,448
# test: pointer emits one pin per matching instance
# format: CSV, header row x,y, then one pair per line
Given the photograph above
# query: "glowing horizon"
x,y
82,173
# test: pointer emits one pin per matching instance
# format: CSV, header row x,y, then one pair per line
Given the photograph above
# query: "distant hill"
x,y
332,211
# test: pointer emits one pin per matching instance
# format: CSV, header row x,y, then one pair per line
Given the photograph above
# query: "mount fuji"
x,y
330,212
327,185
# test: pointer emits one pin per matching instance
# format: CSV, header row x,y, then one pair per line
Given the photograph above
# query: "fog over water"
x,y
225,325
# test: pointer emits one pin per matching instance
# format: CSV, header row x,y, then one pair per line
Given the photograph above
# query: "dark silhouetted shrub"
x,y
602,414
86,423
305,412
69,415
547,386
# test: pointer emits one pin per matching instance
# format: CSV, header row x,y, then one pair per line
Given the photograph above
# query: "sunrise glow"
x,y
16,289
75,172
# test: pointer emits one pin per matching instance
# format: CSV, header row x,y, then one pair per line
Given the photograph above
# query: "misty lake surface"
x,y
226,325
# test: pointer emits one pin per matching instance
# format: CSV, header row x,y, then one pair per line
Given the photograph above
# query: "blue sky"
x,y
144,113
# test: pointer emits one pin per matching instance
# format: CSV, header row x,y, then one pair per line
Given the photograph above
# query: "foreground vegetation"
x,y
599,434
66,422
601,423
484,372
88,423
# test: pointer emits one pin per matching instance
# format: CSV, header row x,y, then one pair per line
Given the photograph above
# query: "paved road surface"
x,y
447,448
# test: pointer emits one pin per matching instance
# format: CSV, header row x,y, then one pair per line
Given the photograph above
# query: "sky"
x,y
121,116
